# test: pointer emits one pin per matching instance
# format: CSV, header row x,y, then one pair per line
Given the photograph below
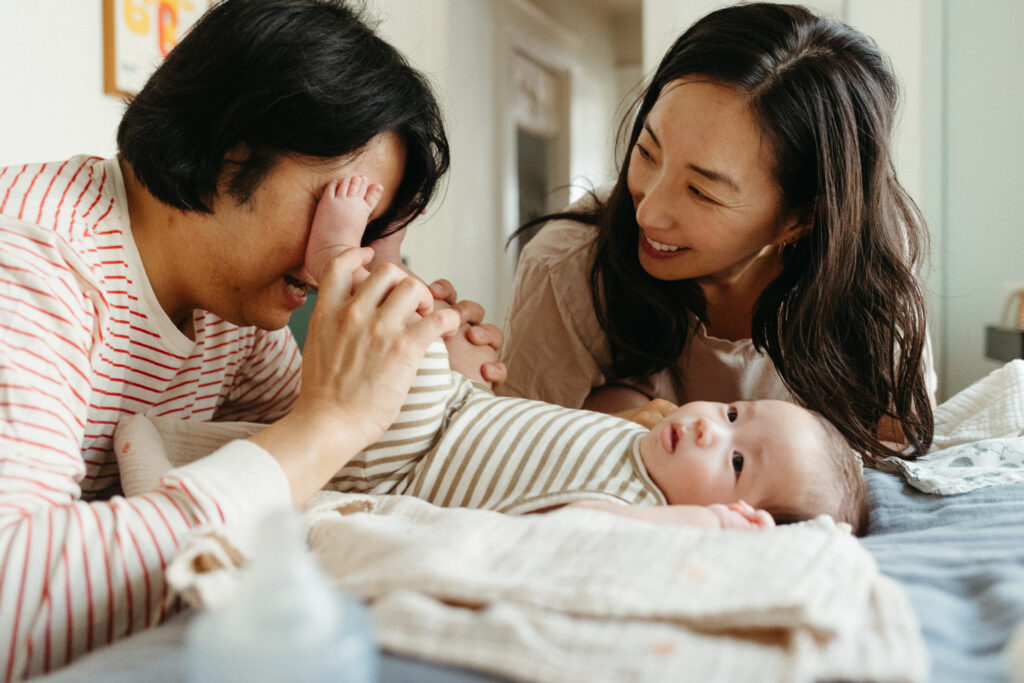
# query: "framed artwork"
x,y
138,34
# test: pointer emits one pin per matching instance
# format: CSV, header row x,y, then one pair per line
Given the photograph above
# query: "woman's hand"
x,y
629,404
362,350
473,350
650,414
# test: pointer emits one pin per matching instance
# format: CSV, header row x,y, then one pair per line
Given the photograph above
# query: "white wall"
x,y
983,184
462,45
51,75
958,149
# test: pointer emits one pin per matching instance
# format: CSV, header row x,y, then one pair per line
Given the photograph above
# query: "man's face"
x,y
254,253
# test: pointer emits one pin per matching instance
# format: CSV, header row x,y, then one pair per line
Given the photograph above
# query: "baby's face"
x,y
763,452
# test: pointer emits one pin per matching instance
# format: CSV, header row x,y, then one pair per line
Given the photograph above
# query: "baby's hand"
x,y
340,221
740,515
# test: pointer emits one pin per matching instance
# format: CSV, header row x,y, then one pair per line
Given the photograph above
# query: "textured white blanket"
x,y
581,595
979,437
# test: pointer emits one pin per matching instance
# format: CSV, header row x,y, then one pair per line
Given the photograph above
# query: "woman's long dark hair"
x,y
844,322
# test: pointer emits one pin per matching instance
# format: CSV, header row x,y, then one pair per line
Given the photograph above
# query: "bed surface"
x,y
960,560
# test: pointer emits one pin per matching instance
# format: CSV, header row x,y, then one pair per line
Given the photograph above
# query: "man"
x,y
161,282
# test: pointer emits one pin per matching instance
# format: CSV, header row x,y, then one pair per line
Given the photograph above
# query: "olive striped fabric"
x,y
456,444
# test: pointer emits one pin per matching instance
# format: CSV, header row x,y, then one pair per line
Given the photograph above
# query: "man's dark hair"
x,y
275,78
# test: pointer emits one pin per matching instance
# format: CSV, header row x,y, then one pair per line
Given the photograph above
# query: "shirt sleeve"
x,y
552,338
75,574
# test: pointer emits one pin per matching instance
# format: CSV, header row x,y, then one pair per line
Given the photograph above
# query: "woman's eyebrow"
x,y
717,177
650,131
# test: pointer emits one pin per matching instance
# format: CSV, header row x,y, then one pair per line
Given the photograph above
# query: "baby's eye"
x,y
731,413
737,463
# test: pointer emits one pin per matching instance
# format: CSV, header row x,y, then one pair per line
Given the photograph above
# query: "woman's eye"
x,y
737,464
643,151
732,414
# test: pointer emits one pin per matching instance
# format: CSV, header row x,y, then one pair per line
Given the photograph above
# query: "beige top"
x,y
555,349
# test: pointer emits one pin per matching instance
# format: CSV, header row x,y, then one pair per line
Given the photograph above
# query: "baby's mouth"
x,y
670,437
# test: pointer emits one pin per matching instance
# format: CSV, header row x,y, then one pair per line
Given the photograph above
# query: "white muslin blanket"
x,y
979,437
581,595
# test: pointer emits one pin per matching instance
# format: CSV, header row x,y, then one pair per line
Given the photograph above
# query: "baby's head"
x,y
774,455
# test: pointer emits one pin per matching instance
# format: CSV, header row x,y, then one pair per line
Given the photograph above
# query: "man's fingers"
x,y
402,294
338,275
434,324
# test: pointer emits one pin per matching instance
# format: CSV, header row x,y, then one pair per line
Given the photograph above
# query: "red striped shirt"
x,y
84,342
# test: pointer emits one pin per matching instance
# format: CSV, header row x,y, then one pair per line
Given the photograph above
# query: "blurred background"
x,y
533,92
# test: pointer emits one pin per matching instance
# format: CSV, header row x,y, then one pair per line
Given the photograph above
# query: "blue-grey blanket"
x,y
960,560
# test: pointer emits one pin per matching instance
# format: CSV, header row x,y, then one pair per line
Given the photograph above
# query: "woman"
x,y
756,244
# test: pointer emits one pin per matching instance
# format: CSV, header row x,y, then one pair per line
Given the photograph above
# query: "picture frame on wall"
x,y
138,34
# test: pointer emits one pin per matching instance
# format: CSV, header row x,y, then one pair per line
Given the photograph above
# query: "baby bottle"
x,y
285,622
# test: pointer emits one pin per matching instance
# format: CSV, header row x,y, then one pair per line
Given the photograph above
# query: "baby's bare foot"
x,y
340,219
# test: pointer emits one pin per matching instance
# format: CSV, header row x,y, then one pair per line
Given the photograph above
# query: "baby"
x,y
456,444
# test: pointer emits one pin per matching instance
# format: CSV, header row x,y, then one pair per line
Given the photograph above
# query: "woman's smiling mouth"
x,y
658,249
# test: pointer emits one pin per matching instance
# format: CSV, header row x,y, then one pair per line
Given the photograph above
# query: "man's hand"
x,y
364,345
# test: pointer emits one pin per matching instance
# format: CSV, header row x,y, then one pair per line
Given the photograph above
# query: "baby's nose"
x,y
706,435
